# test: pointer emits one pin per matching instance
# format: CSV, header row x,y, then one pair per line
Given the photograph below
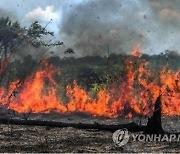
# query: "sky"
x,y
94,27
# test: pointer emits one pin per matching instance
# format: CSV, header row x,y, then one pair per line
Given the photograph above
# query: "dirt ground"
x,y
44,139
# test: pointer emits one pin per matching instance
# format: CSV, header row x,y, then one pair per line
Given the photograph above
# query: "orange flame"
x,y
136,51
134,96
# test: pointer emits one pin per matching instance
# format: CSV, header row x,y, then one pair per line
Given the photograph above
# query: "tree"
x,y
12,36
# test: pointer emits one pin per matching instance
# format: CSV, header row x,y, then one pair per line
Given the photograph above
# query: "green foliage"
x,y
92,76
12,35
37,31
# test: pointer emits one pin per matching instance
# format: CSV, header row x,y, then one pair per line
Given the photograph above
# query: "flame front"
x,y
135,96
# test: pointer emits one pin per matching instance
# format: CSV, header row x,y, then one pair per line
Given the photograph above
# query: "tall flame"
x,y
136,95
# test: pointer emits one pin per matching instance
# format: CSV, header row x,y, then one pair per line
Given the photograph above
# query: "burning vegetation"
x,y
70,96
135,95
107,93
117,86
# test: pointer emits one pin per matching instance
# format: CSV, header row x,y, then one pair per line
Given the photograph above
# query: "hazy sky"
x,y
90,26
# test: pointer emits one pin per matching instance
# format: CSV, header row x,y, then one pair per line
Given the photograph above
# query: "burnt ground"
x,y
45,139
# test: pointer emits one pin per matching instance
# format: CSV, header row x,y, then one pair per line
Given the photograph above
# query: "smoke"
x,y
167,19
42,15
99,27
94,27
8,13
167,11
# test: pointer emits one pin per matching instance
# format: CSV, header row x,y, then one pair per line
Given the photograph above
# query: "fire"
x,y
136,51
135,96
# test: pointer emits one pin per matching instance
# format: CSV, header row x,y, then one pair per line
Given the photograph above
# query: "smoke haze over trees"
x,y
93,27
